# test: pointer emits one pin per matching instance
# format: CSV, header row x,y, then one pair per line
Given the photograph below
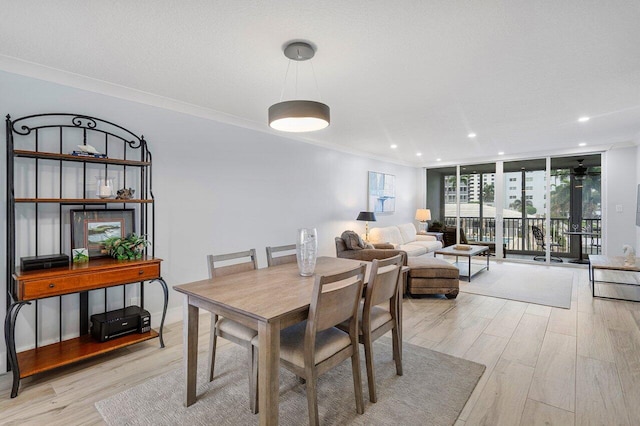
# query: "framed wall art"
x,y
382,192
90,228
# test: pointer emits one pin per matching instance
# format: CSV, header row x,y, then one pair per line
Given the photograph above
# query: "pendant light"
x,y
299,115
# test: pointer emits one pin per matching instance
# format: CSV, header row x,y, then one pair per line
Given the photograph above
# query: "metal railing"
x,y
518,236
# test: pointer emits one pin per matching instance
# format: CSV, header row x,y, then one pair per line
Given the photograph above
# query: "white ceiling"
x,y
420,74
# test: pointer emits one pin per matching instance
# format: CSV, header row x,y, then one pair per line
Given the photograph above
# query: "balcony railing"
x,y
518,236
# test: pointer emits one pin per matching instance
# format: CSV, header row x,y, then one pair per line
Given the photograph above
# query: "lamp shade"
x,y
299,116
423,215
367,216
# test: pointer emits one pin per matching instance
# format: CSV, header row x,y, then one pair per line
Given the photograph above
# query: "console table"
x,y
612,263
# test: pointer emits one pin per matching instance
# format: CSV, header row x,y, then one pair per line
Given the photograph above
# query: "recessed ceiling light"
x,y
501,153
471,135
582,144
394,146
583,119
419,154
438,159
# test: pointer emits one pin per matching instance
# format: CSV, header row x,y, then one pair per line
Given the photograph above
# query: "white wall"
x,y
637,142
620,183
219,188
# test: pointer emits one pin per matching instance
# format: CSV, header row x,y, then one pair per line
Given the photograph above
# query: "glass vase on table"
x,y
307,251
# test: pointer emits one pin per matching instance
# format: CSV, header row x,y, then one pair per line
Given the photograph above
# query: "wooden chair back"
x,y
335,299
221,271
383,281
281,259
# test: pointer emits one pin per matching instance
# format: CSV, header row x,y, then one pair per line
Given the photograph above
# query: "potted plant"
x,y
128,248
436,226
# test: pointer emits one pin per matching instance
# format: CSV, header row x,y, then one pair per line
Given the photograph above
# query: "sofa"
x,y
405,237
427,275
379,251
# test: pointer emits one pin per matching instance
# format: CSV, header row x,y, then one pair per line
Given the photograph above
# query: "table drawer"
x,y
55,286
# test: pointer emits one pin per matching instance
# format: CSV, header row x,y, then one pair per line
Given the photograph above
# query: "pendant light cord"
x,y
284,84
313,71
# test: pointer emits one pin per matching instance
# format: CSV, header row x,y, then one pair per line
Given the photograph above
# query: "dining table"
x,y
266,300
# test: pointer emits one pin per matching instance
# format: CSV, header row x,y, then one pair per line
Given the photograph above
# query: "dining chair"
x,y
281,258
229,329
538,235
379,313
313,347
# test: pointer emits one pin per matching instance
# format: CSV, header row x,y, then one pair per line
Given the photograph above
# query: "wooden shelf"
x,y
81,201
69,351
78,158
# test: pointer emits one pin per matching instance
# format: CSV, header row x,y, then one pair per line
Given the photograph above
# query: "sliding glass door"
x,y
535,204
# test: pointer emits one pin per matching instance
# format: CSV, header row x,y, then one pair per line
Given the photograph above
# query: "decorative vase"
x,y
307,250
104,187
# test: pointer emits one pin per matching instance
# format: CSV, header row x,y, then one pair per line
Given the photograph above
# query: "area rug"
x,y
542,285
432,391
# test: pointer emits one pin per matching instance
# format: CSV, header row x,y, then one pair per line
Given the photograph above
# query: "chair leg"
x,y
212,345
312,399
368,356
357,381
253,379
397,352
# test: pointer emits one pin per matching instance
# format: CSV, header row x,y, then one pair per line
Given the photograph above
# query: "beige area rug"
x,y
432,391
542,285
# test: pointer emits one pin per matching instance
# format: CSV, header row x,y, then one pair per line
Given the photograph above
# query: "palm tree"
x,y
560,194
488,193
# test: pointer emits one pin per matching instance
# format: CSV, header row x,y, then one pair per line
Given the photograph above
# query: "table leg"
x,y
268,371
580,247
487,261
469,279
190,350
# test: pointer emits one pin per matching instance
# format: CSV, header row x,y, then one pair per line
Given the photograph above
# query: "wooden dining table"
x,y
266,300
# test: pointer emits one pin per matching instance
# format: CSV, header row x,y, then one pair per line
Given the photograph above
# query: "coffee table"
x,y
467,269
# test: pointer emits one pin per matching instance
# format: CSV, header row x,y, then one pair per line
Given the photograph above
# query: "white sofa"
x,y
405,237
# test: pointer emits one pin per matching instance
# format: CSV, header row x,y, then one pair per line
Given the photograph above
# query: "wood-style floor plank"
x,y
526,340
599,398
539,414
507,319
564,321
486,350
593,337
555,375
503,397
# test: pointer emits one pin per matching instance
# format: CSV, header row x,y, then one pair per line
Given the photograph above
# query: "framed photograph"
x,y
89,228
382,192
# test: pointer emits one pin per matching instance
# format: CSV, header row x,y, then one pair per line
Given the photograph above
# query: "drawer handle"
x,y
52,285
141,271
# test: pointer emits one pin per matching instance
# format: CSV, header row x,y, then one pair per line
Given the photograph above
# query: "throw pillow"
x,y
369,246
352,240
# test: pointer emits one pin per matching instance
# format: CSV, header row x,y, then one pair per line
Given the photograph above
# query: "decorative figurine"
x,y
125,194
88,149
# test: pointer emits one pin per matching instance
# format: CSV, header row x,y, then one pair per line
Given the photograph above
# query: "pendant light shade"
x,y
299,116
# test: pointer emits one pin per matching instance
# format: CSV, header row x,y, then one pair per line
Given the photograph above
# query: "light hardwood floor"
x,y
544,365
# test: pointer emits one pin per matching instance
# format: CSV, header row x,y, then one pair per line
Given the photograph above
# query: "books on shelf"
x,y
88,154
462,247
